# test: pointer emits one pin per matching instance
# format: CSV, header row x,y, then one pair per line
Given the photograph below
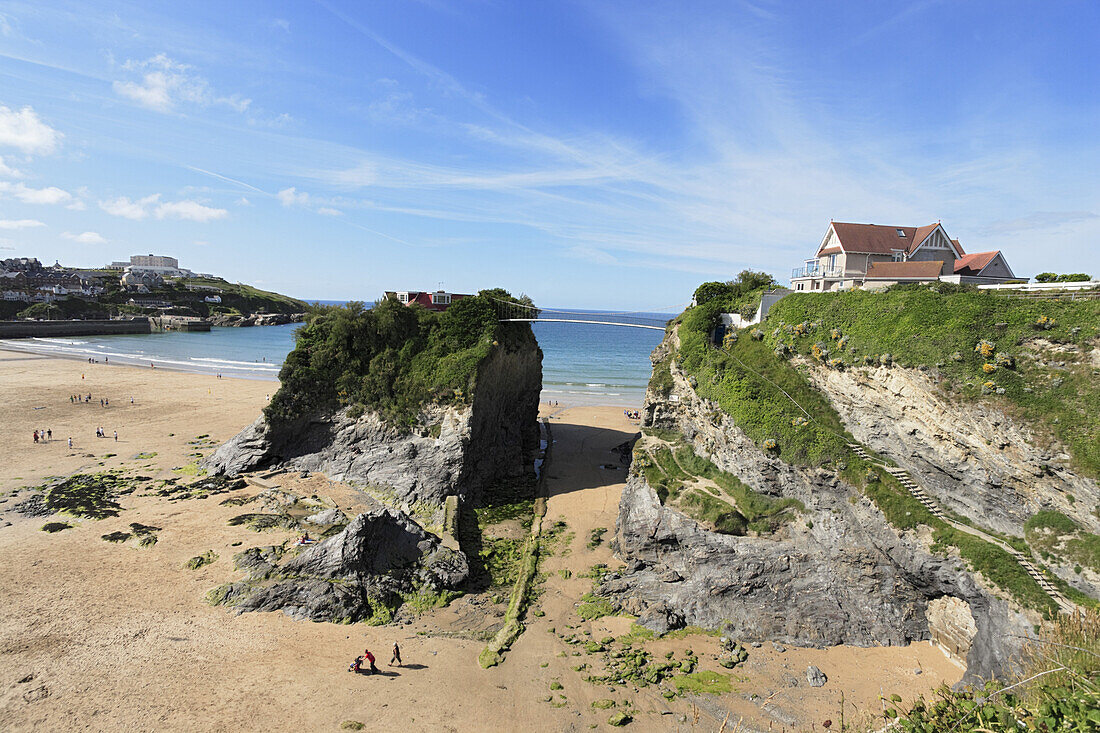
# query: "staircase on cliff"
x,y
929,503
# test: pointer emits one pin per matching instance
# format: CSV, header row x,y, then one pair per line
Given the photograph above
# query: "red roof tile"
x,y
972,264
926,269
879,239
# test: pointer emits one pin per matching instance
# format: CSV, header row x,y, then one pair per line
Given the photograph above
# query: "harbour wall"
x,y
39,329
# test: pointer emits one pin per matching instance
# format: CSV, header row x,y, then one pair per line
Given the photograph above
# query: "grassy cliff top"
x,y
1035,359
248,299
392,358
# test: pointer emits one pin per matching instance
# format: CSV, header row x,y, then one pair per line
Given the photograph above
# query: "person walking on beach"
x,y
396,655
49,433
370,658
116,436
70,442
36,436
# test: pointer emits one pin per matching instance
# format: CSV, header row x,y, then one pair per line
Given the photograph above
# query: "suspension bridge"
x,y
512,312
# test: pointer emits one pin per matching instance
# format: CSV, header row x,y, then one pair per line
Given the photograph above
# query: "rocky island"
x,y
421,411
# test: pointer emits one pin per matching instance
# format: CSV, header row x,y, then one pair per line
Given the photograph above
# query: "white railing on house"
x,y
814,271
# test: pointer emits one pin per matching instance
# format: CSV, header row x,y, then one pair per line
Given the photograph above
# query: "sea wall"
x,y
39,329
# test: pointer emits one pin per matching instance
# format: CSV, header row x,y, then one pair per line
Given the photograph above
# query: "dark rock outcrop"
x,y
255,319
839,575
453,450
380,556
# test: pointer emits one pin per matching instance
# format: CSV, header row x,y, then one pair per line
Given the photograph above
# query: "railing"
x,y
810,271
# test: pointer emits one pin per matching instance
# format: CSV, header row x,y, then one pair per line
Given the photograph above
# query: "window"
x,y
403,298
901,232
441,298
832,262
899,256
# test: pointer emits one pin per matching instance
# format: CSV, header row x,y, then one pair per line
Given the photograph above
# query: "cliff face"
x,y
453,450
838,573
974,459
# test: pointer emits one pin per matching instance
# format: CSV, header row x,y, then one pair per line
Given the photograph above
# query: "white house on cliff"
x,y
875,256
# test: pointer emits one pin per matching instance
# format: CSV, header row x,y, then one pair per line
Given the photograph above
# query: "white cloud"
x,y
329,211
27,132
85,237
189,211
281,23
166,84
201,243
7,171
20,223
28,195
290,197
242,201
124,207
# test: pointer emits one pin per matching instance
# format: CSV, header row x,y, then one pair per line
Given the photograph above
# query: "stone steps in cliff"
x,y
918,493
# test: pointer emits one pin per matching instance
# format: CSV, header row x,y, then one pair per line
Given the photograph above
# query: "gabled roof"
x,y
972,264
879,239
917,270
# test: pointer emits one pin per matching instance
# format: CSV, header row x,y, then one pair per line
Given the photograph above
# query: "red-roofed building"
x,y
875,256
437,301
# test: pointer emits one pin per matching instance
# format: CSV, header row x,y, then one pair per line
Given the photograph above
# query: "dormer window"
x,y
403,298
901,232
441,298
899,256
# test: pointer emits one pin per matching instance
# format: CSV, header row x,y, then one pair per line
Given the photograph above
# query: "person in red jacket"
x,y
370,659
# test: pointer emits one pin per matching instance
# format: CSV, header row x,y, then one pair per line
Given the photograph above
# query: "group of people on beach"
x,y
367,658
77,399
46,435
96,361
101,433
633,414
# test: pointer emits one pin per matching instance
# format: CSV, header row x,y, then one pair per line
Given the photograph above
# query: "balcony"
x,y
815,271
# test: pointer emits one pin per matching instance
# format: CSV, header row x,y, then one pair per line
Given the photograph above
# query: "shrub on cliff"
x,y
736,296
392,358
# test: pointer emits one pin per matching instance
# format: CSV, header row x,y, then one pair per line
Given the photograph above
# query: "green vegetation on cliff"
x,y
753,380
392,358
1058,690
1027,356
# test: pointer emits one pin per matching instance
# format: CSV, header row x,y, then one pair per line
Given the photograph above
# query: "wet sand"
x,y
105,636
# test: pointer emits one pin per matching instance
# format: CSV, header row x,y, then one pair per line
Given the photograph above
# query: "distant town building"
x,y
438,300
874,256
140,281
25,279
160,264
20,264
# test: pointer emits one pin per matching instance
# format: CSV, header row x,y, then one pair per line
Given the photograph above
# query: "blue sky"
x,y
589,154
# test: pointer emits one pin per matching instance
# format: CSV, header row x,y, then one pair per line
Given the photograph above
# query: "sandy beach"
x,y
104,636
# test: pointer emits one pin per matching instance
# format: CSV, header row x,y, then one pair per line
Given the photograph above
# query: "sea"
x,y
583,363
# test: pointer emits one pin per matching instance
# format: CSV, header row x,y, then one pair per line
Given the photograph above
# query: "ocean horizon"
x,y
583,363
